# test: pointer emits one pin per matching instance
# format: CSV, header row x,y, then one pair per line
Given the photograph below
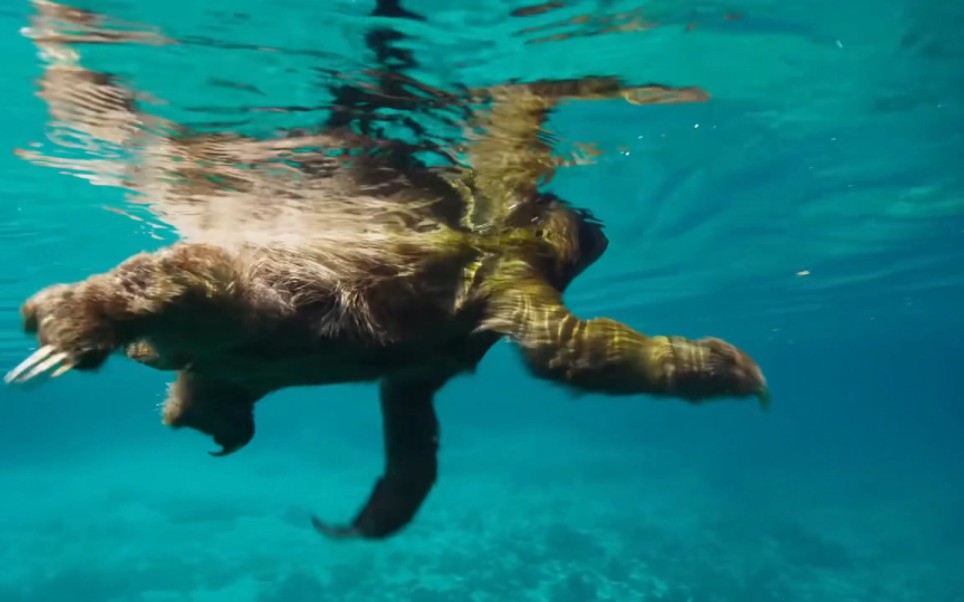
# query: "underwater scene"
x,y
559,301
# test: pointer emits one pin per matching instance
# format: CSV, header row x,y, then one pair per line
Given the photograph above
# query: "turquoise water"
x,y
812,212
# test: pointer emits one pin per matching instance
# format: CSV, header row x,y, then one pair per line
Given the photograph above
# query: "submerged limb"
x,y
601,355
185,296
213,406
411,433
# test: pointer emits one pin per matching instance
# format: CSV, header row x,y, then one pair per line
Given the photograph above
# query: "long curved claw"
x,y
39,362
335,532
764,398
390,507
657,94
410,428
225,451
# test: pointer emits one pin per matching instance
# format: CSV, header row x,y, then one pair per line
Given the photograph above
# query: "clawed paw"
x,y
711,368
734,371
335,531
226,450
70,335
39,362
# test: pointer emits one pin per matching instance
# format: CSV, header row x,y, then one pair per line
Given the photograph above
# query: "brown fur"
x,y
368,266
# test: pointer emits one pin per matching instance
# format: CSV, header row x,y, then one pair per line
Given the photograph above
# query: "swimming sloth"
x,y
363,266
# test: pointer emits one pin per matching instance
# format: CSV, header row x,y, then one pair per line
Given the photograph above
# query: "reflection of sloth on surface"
x,y
361,267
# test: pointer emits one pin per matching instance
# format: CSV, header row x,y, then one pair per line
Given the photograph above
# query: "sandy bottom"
x,y
547,517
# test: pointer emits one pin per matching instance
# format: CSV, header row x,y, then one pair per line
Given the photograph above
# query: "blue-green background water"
x,y
832,144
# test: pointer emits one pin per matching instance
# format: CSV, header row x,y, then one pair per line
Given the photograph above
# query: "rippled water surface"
x,y
805,200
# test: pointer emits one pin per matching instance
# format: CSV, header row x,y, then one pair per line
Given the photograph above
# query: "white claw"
x,y
39,362
37,356
43,366
61,370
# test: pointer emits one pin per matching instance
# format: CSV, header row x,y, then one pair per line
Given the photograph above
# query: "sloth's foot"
x,y
707,368
72,331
